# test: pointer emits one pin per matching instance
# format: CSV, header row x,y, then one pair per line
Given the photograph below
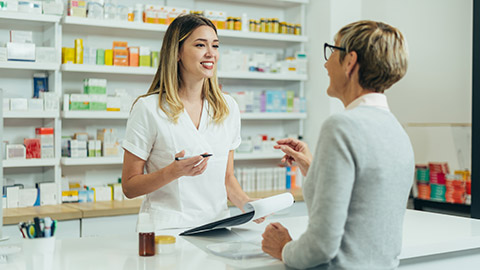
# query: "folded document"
x,y
253,210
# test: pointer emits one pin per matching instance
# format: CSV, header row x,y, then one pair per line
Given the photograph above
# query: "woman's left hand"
x,y
275,238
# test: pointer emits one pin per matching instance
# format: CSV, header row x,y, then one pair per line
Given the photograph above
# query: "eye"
x,y
199,45
216,46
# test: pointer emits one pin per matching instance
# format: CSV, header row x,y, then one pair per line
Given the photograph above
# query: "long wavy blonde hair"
x,y
167,80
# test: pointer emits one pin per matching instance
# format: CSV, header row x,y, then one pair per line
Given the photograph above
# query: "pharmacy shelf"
x,y
34,162
89,22
261,36
91,161
94,115
108,69
262,76
273,116
22,16
72,22
258,156
272,3
30,114
420,204
28,65
151,71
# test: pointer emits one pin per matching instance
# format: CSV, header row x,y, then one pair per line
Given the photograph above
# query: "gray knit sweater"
x,y
356,193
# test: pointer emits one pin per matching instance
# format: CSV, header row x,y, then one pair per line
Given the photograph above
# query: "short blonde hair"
x,y
381,49
167,80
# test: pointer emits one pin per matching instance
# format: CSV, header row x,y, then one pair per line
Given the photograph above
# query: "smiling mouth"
x,y
207,64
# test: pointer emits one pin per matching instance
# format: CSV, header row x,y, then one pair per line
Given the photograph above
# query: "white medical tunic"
x,y
189,200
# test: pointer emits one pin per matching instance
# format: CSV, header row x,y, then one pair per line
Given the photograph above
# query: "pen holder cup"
x,y
39,253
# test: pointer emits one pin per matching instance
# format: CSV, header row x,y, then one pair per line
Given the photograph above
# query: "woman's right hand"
x,y
189,167
295,151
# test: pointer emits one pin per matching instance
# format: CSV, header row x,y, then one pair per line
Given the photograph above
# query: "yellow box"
x,y
109,57
145,60
68,55
78,51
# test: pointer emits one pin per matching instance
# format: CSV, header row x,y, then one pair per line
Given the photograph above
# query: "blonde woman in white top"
x,y
184,113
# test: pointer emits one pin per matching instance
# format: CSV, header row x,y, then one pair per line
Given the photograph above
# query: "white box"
x,y
3,54
50,100
21,51
27,197
48,193
12,197
12,5
102,194
35,104
45,55
53,7
114,103
18,104
21,36
15,151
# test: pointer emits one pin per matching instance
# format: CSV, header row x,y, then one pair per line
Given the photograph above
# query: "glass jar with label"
x,y
263,25
252,26
276,26
230,23
297,30
237,24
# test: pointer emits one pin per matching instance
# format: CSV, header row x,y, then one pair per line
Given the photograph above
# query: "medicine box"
x,y
98,103
68,55
21,51
27,197
102,194
108,57
12,197
120,57
3,54
21,36
95,86
70,196
79,102
77,8
18,104
46,141
114,104
48,193
35,104
117,192
15,151
144,58
50,101
32,148
133,54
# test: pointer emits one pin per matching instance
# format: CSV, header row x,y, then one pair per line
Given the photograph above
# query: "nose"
x,y
209,52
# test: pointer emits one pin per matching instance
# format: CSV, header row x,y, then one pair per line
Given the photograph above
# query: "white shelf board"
x,y
34,162
151,71
268,116
273,3
108,69
28,65
161,28
261,36
94,115
70,20
23,16
91,161
262,76
31,114
258,155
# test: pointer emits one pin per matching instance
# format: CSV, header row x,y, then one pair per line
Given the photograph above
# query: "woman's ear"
x,y
350,61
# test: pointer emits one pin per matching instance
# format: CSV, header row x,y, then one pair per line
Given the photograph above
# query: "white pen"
x,y
203,155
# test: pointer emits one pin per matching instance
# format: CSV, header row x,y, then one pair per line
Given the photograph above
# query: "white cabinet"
x,y
17,82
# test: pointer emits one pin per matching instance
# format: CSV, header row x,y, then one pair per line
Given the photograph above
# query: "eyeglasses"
x,y
329,49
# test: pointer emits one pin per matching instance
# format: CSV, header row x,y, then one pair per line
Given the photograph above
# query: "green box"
x,y
79,106
145,61
96,90
98,106
290,97
100,57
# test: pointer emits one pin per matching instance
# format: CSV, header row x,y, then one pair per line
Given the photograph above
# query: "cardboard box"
x,y
48,193
21,51
133,56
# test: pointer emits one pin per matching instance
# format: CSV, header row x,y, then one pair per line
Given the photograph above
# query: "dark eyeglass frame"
x,y
332,48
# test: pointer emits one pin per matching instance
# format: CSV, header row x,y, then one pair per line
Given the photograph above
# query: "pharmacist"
x,y
358,183
184,114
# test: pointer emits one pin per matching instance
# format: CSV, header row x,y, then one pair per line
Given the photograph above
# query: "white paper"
x,y
269,205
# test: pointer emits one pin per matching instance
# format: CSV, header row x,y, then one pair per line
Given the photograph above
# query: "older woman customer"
x,y
359,179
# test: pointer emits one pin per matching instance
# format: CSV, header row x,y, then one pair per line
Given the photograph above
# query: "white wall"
x,y
437,86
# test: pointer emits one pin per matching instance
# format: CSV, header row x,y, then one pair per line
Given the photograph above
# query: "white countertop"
x,y
425,236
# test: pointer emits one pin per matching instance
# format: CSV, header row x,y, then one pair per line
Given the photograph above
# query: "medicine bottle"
x,y
146,235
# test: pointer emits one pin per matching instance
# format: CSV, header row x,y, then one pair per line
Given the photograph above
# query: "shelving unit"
x,y
58,32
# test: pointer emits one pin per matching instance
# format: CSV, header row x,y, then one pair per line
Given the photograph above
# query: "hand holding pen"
x,y
190,166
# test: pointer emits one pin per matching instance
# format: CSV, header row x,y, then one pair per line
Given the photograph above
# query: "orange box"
x,y
120,57
133,53
120,45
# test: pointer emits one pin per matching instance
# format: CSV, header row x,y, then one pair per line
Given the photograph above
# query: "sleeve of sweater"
x,y
332,175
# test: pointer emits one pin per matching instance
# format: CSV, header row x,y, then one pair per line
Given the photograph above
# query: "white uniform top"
x,y
189,200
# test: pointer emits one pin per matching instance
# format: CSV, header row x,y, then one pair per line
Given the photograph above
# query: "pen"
x,y
203,155
38,231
